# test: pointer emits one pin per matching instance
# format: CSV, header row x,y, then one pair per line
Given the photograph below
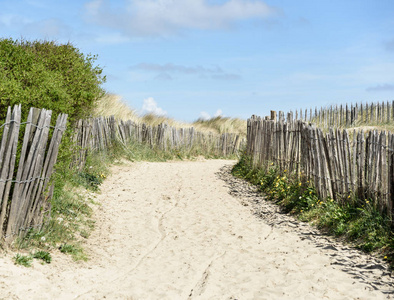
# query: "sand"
x,y
172,231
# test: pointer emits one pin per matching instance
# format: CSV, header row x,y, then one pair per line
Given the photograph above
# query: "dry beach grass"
x,y
113,105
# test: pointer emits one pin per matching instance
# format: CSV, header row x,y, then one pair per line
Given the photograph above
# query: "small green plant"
x,y
90,181
75,251
66,248
23,260
43,255
84,233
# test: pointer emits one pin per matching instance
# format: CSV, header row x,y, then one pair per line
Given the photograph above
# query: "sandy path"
x,y
172,231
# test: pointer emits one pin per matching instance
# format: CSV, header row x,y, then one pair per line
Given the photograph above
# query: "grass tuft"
x,y
43,255
23,260
222,125
76,251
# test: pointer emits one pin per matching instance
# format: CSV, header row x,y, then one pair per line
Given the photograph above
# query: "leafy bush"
x,y
44,74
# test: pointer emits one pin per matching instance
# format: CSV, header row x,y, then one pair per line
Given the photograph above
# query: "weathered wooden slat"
x,y
34,190
4,158
332,168
30,173
383,173
19,198
375,164
359,156
368,163
22,175
353,156
390,208
10,148
323,172
47,170
346,163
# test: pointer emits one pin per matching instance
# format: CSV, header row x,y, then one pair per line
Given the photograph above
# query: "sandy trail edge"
x,y
172,231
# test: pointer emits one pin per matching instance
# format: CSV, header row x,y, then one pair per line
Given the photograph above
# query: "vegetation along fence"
x,y
99,133
341,164
24,185
344,115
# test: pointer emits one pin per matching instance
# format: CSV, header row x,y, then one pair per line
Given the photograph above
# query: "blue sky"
x,y
201,58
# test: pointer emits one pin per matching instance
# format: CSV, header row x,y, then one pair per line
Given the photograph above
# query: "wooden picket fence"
x,y
100,133
343,115
341,163
25,190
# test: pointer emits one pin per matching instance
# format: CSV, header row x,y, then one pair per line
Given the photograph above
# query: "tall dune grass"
x,y
112,105
222,125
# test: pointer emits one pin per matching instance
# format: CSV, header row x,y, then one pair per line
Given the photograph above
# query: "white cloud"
x,y
206,116
115,38
166,17
218,113
163,76
227,77
381,88
214,72
169,67
38,4
49,28
150,106
12,20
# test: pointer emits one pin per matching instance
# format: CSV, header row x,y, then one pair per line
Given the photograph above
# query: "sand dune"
x,y
172,231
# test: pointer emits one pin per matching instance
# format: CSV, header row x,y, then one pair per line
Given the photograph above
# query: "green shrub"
x,y
45,74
